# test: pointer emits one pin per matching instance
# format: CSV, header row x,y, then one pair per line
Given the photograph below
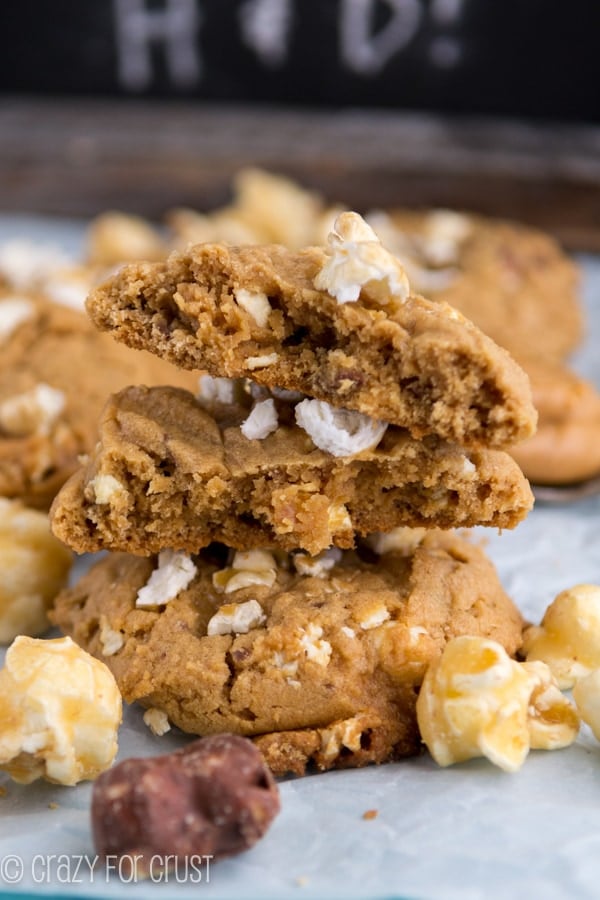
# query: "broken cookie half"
x,y
174,470
338,324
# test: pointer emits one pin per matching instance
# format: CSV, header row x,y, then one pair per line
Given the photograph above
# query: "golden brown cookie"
x,y
255,312
513,281
566,447
319,667
168,473
56,371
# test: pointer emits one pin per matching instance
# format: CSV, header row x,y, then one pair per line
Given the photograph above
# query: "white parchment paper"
x,y
467,832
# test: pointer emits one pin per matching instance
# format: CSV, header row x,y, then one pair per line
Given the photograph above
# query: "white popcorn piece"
x,y
359,265
261,362
552,719
115,237
568,639
218,390
13,312
376,616
25,264
256,304
341,432
60,711
445,231
157,721
248,568
35,566
349,632
403,540
415,633
468,467
315,648
317,566
261,422
33,412
474,702
289,667
346,733
110,640
586,694
106,488
175,571
237,618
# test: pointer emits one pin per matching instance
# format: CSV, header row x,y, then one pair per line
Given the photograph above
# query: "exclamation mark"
x,y
445,50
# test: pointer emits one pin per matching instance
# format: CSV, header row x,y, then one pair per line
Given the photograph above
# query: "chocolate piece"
x,y
215,797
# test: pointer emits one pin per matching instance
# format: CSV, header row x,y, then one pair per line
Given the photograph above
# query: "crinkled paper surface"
x,y
467,832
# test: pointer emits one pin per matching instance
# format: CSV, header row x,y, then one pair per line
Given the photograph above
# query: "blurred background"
x,y
145,104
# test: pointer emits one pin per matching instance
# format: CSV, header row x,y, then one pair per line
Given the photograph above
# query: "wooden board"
x,y
82,157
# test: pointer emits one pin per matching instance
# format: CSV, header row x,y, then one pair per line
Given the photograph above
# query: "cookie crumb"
x,y
53,806
370,814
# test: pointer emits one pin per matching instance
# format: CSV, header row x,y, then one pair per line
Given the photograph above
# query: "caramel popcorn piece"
x,y
568,639
477,701
60,710
35,567
115,237
586,694
248,567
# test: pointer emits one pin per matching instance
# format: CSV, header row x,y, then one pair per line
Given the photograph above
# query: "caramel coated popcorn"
x,y
60,710
34,566
568,639
477,701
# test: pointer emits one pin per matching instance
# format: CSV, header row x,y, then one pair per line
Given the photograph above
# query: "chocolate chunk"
x,y
215,797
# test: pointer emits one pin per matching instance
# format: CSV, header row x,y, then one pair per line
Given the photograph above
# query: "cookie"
x,y
322,667
169,473
513,281
566,446
255,312
56,370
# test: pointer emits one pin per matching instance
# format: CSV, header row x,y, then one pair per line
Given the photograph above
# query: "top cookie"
x,y
340,326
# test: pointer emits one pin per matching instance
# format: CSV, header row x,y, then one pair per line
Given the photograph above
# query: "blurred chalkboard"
x,y
528,58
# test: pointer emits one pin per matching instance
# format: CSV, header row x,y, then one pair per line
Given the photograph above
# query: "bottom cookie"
x,y
319,659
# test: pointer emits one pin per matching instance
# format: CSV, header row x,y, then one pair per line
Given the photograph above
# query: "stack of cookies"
x,y
283,563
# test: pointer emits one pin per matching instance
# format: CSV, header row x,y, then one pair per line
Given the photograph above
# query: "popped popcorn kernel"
x,y
174,572
237,618
106,488
218,390
568,639
157,721
256,304
261,362
60,710
346,733
111,641
474,702
114,237
403,540
32,412
552,719
315,648
35,566
341,432
359,266
586,694
317,566
373,617
261,422
250,567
